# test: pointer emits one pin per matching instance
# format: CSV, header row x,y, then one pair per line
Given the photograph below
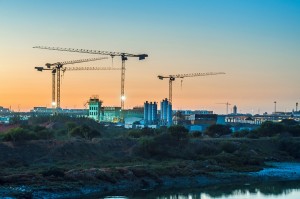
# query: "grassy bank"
x,y
52,150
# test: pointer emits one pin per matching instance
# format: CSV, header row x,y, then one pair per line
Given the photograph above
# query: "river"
x,y
278,190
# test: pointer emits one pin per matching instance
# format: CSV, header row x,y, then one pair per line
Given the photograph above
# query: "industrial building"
x,y
150,113
44,111
4,110
166,113
110,114
95,108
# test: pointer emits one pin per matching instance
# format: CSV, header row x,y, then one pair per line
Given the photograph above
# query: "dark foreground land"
x,y
80,167
77,166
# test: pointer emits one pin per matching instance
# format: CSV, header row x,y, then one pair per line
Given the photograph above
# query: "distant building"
x,y
234,109
4,110
110,114
204,119
190,112
134,112
44,111
166,113
41,111
150,113
95,108
4,119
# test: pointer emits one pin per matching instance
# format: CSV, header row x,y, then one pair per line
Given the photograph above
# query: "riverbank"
x,y
79,168
139,179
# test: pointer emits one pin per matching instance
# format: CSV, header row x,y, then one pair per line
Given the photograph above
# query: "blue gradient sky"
x,y
255,42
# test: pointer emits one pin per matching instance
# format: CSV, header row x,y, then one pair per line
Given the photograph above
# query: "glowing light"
x,y
123,98
53,103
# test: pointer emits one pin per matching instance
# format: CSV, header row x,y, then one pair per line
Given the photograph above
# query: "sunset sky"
x,y
256,43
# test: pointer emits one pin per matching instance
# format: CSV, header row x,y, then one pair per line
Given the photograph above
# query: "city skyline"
x,y
256,43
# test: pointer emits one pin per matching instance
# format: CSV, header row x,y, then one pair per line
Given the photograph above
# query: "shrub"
x,y
44,134
196,134
229,147
71,125
241,133
135,133
294,130
218,130
19,134
162,146
84,131
76,132
291,147
179,132
207,148
54,171
289,122
270,129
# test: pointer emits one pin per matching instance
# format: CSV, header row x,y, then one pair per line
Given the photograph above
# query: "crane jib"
x,y
140,56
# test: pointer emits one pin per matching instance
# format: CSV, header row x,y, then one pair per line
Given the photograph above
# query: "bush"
x,y
229,147
19,134
294,130
137,133
270,129
44,134
218,130
70,126
241,133
84,131
162,146
179,132
196,134
134,133
54,171
291,147
289,122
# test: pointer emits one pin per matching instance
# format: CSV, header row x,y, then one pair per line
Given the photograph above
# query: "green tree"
x,y
19,134
76,132
289,122
269,129
70,126
84,131
218,130
179,132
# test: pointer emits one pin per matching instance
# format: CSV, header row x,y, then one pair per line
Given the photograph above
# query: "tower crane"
x,y
56,69
173,77
227,105
124,57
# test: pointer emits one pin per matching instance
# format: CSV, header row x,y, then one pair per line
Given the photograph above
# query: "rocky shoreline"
x,y
89,182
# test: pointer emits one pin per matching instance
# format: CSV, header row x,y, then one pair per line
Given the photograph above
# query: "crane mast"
x,y
173,77
53,88
227,105
124,57
56,69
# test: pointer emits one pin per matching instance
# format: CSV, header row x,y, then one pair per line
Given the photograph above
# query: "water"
x,y
278,190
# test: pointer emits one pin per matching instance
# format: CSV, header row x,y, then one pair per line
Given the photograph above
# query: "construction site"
x,y
97,109
151,114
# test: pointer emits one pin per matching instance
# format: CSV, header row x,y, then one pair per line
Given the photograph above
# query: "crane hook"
x,y
112,61
181,83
